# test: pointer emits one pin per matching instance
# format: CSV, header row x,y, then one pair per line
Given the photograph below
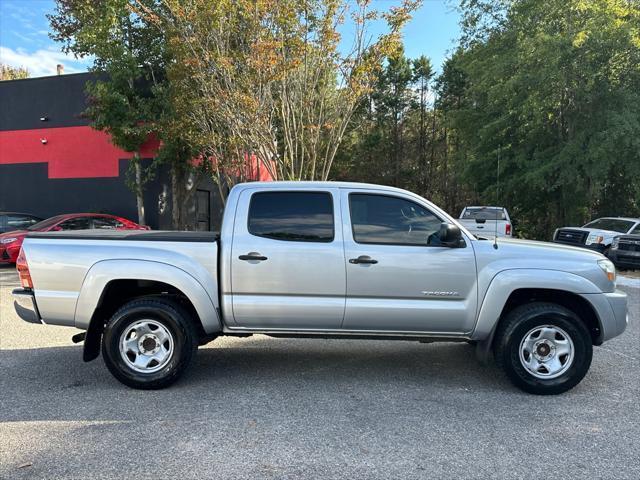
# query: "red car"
x,y
11,242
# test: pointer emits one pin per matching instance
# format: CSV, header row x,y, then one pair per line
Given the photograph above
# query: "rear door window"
x,y
292,216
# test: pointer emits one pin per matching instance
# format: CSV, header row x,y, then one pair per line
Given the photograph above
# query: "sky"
x,y
24,40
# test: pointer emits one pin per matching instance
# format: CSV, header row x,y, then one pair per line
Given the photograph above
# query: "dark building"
x,y
53,162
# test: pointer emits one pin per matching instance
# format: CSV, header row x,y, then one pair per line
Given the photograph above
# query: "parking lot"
x,y
273,408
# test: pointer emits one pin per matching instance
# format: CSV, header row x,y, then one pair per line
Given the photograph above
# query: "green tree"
x,y
553,91
422,75
132,99
8,72
392,100
268,78
451,106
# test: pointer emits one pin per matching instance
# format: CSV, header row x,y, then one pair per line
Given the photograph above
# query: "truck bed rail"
x,y
130,235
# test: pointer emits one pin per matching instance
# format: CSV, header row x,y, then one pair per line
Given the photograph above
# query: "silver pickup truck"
x,y
322,260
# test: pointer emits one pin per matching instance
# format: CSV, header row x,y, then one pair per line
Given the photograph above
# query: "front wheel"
x,y
543,348
149,343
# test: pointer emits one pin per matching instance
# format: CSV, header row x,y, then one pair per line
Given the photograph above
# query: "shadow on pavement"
x,y
53,378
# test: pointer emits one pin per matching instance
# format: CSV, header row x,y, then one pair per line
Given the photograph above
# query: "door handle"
x,y
252,256
363,259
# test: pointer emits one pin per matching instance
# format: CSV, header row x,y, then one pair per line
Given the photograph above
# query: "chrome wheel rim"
x,y
146,346
546,351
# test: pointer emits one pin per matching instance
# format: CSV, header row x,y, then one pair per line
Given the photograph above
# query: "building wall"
x,y
52,162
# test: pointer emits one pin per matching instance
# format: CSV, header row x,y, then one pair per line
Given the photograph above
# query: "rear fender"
x,y
100,274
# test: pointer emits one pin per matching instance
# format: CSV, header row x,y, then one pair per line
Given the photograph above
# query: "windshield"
x,y
44,224
613,224
484,213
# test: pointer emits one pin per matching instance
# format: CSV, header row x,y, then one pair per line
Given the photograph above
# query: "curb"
x,y
628,281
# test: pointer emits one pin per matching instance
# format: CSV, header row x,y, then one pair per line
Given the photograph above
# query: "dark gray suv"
x,y
625,250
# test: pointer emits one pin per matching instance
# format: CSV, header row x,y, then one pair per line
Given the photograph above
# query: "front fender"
x,y
506,282
103,272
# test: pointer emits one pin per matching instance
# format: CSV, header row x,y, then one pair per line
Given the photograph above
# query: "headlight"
x,y
8,240
593,238
614,243
608,268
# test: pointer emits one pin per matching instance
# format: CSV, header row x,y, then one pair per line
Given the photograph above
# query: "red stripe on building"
x,y
70,152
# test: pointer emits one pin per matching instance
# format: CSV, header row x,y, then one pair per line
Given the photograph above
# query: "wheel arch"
x,y
512,288
110,284
571,301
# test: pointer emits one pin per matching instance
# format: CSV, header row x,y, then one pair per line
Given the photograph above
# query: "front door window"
x,y
386,220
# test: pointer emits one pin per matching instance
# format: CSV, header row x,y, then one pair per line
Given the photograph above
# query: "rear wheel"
x,y
544,348
149,343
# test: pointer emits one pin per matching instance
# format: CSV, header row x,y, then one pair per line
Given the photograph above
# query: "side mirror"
x,y
450,236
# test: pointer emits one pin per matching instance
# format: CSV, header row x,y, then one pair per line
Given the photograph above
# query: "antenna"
x,y
495,238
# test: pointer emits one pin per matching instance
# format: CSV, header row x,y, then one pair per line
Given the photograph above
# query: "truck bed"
x,y
89,258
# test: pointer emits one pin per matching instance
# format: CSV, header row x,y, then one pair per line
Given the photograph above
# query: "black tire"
x,y
517,325
175,320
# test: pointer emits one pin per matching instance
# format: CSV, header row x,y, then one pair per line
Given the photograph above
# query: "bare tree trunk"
x,y
176,195
445,164
182,195
433,149
423,142
395,158
139,196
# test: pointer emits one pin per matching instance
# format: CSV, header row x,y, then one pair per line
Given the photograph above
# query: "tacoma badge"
x,y
428,293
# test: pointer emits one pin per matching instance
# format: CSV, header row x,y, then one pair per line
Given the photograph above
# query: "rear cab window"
x,y
483,213
292,216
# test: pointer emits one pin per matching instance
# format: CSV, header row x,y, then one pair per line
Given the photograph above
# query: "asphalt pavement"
x,y
288,409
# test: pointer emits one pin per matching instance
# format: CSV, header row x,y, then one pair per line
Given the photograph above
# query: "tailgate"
x,y
485,228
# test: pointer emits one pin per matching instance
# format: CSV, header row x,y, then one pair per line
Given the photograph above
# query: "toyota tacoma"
x,y
322,260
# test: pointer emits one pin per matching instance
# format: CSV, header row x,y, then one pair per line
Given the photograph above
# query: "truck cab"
x,y
344,258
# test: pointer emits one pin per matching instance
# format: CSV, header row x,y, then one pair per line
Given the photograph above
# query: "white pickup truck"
x,y
487,222
598,234
324,260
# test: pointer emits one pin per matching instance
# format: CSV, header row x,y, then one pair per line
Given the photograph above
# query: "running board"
x,y
363,335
